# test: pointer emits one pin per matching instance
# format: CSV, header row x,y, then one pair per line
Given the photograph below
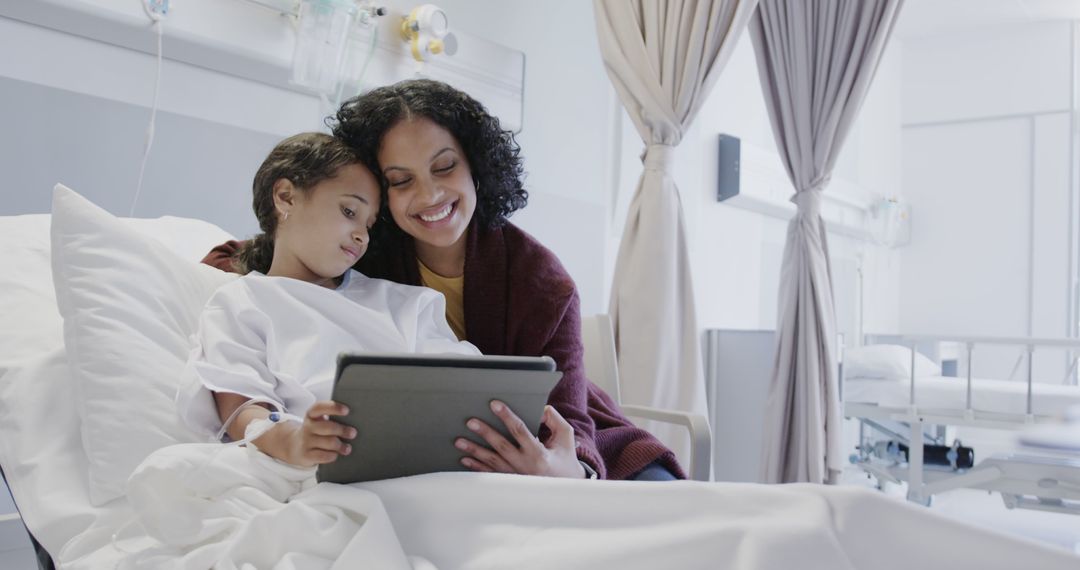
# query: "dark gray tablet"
x,y
408,409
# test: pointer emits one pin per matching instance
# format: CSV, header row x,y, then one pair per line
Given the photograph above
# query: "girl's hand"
x,y
319,439
556,458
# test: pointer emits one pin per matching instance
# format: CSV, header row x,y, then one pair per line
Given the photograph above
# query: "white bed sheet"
x,y
950,393
491,521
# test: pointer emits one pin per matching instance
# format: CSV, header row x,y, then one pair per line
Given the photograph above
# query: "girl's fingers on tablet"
x,y
319,410
330,427
319,456
329,443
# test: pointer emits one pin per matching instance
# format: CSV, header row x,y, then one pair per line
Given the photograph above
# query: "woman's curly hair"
x,y
492,153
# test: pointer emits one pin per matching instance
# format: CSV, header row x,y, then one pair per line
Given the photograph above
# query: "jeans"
x,y
653,472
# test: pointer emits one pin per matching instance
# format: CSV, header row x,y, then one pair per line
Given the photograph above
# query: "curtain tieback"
x,y
809,201
659,157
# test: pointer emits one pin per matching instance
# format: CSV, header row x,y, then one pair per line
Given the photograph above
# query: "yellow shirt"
x,y
453,288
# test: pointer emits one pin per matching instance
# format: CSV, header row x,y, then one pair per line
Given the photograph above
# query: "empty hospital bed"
x,y
900,416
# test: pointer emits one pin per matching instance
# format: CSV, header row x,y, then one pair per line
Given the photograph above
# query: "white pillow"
x,y
129,305
886,362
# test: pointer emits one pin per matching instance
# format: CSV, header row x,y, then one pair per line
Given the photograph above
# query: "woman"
x,y
452,177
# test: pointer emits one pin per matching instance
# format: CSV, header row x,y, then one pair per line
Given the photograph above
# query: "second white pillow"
x,y
886,362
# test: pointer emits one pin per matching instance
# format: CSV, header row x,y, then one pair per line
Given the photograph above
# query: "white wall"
x,y
987,143
78,108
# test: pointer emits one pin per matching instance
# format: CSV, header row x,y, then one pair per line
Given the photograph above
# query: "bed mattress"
x,y
950,393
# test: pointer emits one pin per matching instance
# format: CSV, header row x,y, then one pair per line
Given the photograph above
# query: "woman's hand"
x,y
556,458
318,440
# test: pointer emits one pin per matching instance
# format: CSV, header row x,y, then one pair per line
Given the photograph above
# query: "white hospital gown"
x,y
278,338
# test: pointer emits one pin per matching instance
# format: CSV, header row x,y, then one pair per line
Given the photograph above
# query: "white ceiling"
x,y
931,17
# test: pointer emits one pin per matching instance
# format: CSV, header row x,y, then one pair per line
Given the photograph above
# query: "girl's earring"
x,y
286,218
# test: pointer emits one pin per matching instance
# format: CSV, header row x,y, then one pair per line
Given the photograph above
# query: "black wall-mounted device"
x,y
728,168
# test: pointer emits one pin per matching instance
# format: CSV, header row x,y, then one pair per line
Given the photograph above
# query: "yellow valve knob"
x,y
410,26
435,46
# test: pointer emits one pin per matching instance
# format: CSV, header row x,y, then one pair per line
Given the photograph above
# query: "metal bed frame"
x,y
1024,481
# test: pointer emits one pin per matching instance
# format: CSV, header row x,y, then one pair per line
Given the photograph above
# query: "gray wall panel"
x,y
197,168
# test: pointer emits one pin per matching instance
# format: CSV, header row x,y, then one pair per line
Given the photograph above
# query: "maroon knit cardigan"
x,y
520,301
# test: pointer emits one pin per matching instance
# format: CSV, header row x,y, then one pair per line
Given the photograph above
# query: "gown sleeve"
x,y
229,355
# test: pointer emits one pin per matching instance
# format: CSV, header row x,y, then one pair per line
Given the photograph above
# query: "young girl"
x,y
271,338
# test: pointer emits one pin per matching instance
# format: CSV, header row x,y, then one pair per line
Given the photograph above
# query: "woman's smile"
x,y
439,213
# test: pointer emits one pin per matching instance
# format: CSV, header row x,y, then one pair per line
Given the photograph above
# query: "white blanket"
x,y
200,506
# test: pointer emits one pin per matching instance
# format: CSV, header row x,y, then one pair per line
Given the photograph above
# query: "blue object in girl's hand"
x,y
275,417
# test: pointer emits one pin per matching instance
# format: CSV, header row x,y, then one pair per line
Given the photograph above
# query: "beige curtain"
x,y
663,57
816,60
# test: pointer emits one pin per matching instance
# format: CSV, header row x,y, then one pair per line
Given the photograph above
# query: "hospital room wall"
x,y
735,249
79,111
76,110
987,140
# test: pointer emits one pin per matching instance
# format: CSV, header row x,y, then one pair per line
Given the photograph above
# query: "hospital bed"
x,y
445,521
901,410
